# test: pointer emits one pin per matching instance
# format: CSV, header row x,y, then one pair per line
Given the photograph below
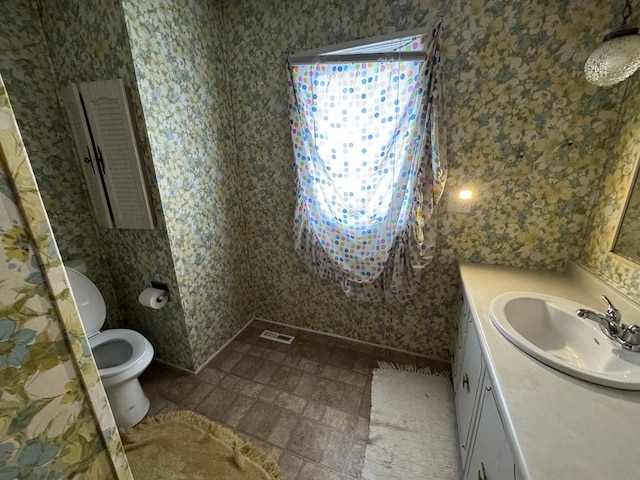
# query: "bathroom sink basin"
x,y
547,328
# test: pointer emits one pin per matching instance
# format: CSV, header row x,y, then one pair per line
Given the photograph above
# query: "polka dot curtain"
x,y
370,169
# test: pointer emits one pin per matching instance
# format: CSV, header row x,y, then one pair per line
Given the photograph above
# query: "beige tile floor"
x,y
307,403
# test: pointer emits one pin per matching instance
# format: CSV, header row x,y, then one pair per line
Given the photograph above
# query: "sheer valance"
x,y
368,140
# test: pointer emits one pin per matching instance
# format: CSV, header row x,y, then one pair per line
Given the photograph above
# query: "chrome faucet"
x,y
627,336
610,323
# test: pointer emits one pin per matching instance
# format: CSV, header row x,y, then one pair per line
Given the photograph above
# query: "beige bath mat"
x,y
413,432
183,445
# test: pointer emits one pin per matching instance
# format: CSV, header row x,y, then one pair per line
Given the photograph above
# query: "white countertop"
x,y
561,427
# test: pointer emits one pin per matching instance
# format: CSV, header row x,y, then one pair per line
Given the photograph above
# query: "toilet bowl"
x,y
121,355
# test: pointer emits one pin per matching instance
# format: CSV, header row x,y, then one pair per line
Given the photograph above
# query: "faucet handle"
x,y
613,313
631,335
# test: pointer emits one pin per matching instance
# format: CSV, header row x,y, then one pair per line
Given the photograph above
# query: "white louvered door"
x,y
110,121
105,140
84,149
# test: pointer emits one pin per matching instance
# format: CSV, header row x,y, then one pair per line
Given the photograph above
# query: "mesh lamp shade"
x,y
613,61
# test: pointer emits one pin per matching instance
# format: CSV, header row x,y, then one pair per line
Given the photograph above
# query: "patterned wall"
x,y
180,63
622,162
26,68
49,385
514,78
222,172
34,74
95,32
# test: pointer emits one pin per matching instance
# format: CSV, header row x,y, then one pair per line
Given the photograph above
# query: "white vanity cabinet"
x,y
550,425
485,451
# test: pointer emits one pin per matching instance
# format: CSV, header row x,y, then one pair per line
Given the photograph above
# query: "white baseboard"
x,y
350,339
341,337
201,367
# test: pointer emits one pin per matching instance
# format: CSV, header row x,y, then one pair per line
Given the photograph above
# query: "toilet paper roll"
x,y
153,298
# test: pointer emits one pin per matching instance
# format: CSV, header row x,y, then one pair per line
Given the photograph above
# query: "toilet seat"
x,y
134,362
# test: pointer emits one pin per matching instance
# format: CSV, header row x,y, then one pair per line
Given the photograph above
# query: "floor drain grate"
x,y
277,337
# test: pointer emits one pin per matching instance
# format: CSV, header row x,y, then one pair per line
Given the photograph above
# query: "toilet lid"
x,y
91,307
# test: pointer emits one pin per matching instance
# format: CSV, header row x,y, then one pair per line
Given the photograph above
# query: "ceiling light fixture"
x,y
618,57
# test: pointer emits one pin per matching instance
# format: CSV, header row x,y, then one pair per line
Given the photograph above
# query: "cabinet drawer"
x,y
491,457
468,382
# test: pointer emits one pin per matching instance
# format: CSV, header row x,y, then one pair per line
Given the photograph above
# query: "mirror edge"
x,y
612,251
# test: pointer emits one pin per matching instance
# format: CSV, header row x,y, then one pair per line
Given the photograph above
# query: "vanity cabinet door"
x,y
467,389
491,457
463,318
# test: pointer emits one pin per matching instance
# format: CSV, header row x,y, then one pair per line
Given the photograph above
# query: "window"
x,y
366,131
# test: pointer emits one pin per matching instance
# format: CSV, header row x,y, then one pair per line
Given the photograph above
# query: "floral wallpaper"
x,y
526,135
95,30
622,160
30,80
207,82
37,65
180,61
55,421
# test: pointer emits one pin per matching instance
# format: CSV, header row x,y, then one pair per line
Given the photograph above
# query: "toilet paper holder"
x,y
161,286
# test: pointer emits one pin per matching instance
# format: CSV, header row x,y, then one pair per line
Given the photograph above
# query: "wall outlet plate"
x,y
457,205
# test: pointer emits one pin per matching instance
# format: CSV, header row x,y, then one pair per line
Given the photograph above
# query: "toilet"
x,y
121,355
